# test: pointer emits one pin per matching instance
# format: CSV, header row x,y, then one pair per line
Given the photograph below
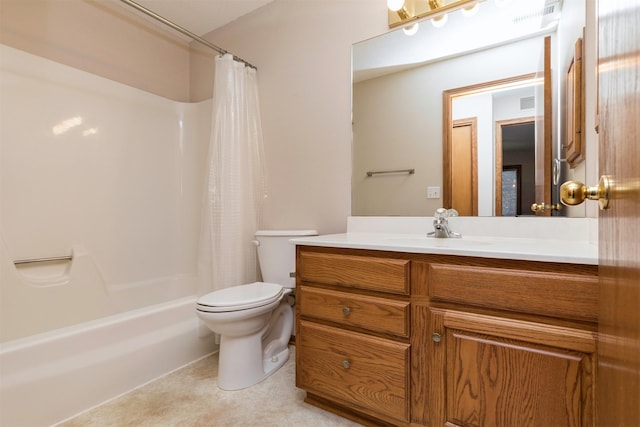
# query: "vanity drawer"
x,y
363,272
364,311
568,296
348,367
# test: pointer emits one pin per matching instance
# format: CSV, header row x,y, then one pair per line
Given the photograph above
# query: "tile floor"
x,y
189,397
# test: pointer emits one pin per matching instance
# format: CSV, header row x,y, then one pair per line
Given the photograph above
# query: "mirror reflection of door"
x,y
464,166
509,101
515,158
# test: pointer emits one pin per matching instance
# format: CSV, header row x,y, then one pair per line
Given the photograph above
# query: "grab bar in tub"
x,y
54,258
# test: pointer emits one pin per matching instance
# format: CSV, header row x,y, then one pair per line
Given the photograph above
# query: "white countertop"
x,y
547,245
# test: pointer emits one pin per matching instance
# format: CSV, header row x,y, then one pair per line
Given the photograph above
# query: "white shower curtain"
x,y
236,190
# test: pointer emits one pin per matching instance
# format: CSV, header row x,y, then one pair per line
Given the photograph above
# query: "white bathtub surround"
x,y
535,239
112,177
100,170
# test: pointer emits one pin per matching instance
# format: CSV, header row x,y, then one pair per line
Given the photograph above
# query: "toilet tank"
x,y
277,257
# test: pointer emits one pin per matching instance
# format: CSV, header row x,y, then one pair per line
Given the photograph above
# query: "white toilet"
x,y
255,321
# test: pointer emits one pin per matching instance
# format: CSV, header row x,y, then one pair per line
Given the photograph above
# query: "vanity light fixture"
x,y
404,12
398,7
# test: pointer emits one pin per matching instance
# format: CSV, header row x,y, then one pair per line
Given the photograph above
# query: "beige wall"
x,y
302,49
104,37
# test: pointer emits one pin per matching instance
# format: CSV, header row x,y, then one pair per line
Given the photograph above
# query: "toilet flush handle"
x,y
255,242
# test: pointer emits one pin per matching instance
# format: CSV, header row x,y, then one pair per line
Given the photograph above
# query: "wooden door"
x,y
464,167
619,226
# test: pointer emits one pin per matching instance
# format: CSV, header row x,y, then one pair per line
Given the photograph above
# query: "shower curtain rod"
x,y
184,31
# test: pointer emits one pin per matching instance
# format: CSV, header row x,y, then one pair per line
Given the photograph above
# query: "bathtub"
x,y
50,377
116,308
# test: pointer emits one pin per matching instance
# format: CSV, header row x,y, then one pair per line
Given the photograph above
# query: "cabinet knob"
x,y
346,311
346,364
436,337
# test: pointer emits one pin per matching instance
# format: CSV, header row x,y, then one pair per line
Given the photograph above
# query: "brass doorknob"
x,y
537,207
574,192
540,207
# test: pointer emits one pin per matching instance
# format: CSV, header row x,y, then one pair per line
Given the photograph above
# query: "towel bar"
x,y
409,171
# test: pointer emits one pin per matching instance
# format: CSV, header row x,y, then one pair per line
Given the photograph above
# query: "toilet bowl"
x,y
255,320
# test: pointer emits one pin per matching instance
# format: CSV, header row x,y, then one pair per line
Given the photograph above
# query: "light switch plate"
x,y
433,192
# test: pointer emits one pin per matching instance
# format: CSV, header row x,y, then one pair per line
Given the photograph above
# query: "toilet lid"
x,y
240,297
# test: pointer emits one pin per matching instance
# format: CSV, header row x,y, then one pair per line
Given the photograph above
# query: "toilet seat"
x,y
241,297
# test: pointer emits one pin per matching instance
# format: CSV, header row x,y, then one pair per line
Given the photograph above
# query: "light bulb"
x,y
470,10
439,21
411,29
395,5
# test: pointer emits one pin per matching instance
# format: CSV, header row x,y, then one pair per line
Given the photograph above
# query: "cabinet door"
x,y
490,371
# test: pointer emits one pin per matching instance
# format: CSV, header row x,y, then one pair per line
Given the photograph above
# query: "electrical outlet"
x,y
433,192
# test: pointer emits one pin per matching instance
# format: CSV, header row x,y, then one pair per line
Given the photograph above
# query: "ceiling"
x,y
202,16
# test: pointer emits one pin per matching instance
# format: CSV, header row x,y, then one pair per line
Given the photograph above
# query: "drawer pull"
x,y
346,311
436,337
346,364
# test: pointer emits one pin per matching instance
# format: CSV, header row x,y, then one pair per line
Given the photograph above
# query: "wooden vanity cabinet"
x,y
352,336
446,340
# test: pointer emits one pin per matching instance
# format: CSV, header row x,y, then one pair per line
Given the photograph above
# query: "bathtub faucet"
x,y
441,224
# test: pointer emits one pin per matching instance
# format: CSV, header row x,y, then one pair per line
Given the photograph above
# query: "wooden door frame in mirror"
x,y
543,174
447,123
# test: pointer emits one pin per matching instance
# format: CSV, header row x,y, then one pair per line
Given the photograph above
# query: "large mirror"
x,y
413,93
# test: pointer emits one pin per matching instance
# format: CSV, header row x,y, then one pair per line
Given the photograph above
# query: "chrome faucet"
x,y
441,224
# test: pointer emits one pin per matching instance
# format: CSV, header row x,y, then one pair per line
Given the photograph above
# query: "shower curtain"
x,y
235,188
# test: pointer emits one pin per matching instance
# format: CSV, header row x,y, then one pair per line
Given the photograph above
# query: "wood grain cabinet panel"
x,y
363,272
562,295
488,379
353,368
373,313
